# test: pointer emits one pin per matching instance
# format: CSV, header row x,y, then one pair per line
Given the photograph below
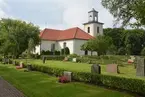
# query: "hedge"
x,y
122,83
60,58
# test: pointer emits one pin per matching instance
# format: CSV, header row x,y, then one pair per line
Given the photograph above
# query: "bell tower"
x,y
93,26
93,15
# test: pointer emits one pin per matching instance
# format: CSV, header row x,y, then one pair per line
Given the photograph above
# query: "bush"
x,y
143,52
73,56
122,83
121,51
1,58
50,53
57,52
65,51
60,58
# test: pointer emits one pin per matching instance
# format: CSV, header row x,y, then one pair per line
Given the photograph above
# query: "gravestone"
x,y
68,75
21,64
140,68
112,68
96,69
44,58
5,60
74,60
29,67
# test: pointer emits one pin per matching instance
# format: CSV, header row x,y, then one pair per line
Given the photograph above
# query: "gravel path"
x,y
7,90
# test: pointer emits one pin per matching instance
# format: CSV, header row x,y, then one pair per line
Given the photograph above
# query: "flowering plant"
x,y
63,79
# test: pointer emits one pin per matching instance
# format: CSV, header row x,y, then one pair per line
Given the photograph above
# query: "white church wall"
x,y
77,46
46,45
69,44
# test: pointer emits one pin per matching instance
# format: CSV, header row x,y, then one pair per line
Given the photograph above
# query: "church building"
x,y
73,38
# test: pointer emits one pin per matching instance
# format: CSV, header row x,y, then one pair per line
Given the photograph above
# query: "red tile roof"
x,y
56,35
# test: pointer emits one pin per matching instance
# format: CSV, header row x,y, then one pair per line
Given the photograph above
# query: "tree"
x,y
89,46
100,44
31,47
133,41
143,52
117,36
126,11
15,35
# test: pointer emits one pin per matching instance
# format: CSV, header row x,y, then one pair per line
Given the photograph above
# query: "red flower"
x,y
63,79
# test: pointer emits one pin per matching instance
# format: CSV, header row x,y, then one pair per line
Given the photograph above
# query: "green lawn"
x,y
36,84
126,70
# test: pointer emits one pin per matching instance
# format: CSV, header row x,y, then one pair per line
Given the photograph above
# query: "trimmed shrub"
x,y
122,83
59,58
57,52
65,51
50,53
73,56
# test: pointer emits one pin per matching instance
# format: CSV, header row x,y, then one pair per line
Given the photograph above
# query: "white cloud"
x,y
76,12
2,5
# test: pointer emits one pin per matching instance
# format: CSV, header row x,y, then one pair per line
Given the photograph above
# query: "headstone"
x,y
29,67
21,64
112,68
96,69
5,60
66,59
140,69
44,58
74,60
68,75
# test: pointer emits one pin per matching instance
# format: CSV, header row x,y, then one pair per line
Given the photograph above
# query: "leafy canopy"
x,y
127,11
15,35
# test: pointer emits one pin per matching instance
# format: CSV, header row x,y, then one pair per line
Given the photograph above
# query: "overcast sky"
x,y
58,14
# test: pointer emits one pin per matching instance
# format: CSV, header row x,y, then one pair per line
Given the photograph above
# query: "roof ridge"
x,y
42,32
53,29
76,32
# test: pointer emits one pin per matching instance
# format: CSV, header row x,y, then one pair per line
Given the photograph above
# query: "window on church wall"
x,y
96,18
98,30
64,45
88,29
90,18
52,47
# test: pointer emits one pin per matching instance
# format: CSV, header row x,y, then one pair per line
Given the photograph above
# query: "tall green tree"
x,y
117,36
31,47
133,41
127,10
15,35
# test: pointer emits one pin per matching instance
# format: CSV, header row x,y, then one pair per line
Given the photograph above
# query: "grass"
x,y
36,84
125,71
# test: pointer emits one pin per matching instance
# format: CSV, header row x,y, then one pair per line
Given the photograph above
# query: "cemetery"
x,y
52,54
110,74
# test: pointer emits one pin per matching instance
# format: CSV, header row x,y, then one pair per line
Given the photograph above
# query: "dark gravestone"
x,y
5,60
112,68
140,68
96,69
44,58
29,67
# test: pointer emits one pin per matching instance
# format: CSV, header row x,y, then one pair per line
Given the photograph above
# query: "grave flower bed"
x,y
63,79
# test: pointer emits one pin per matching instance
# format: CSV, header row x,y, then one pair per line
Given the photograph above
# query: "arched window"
x,y
64,45
96,19
90,18
52,47
88,29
